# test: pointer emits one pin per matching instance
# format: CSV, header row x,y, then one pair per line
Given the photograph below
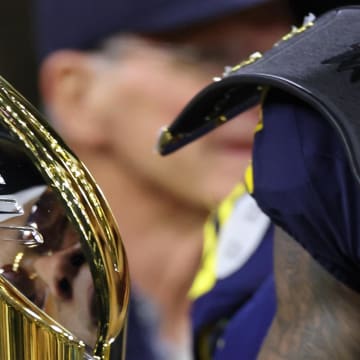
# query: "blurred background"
x,y
17,60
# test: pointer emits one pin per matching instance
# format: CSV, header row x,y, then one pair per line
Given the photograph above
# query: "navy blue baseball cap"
x,y
83,24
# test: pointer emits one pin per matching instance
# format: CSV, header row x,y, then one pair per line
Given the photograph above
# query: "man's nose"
x,y
59,270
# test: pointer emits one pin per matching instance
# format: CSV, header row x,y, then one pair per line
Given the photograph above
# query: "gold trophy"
x,y
64,282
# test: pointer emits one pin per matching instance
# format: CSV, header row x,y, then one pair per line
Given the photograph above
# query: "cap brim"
x,y
219,103
209,109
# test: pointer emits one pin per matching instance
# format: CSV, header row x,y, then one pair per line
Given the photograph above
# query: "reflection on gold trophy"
x,y
64,282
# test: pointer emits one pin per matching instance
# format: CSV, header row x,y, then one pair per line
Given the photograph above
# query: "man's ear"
x,y
66,83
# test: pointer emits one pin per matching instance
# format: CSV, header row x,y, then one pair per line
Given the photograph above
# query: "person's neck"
x,y
163,240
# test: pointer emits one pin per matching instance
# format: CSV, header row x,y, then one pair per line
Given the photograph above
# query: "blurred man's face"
x,y
143,86
145,91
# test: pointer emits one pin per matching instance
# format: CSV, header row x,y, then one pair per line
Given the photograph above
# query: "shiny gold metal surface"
x,y
52,212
